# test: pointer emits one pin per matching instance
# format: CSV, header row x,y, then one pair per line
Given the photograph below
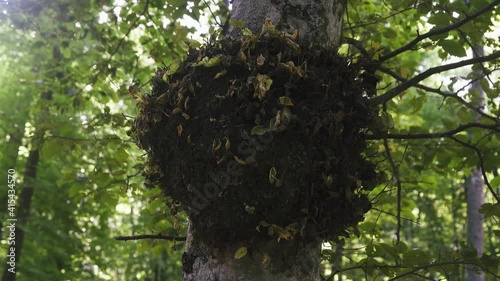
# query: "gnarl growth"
x,y
260,138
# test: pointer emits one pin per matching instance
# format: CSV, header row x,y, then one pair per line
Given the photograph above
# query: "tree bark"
x,y
266,261
475,195
23,210
11,153
475,231
319,22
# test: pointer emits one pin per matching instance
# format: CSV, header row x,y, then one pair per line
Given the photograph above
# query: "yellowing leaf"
x,y
239,160
250,209
241,252
284,234
247,32
260,60
179,130
227,146
216,145
329,180
219,74
242,56
272,175
266,258
262,84
176,111
286,101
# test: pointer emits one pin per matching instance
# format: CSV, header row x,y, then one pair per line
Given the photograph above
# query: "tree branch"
x,y
439,92
413,271
150,236
438,69
450,133
440,30
481,164
94,79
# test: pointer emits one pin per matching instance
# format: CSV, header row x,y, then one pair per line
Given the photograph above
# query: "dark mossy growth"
x,y
260,138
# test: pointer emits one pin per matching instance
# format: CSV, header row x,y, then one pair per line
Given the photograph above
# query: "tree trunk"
x,y
319,23
11,153
284,260
31,166
475,196
23,211
475,231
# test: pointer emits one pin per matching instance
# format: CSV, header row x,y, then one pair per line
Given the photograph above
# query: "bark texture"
x,y
319,22
475,230
475,194
267,261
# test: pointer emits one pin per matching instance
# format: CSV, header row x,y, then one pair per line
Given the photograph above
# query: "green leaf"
x,y
390,250
390,33
401,247
453,48
172,68
177,3
259,130
469,253
241,252
495,183
439,19
416,258
247,32
490,261
439,36
208,62
213,61
387,120
478,3
489,210
121,155
272,175
237,23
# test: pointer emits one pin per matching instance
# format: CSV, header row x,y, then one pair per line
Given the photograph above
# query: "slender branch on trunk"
x,y
481,165
431,71
149,236
461,128
442,93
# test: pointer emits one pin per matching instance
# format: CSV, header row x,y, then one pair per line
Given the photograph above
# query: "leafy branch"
x,y
440,264
414,270
481,164
451,135
438,31
448,134
431,71
149,236
442,93
118,46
